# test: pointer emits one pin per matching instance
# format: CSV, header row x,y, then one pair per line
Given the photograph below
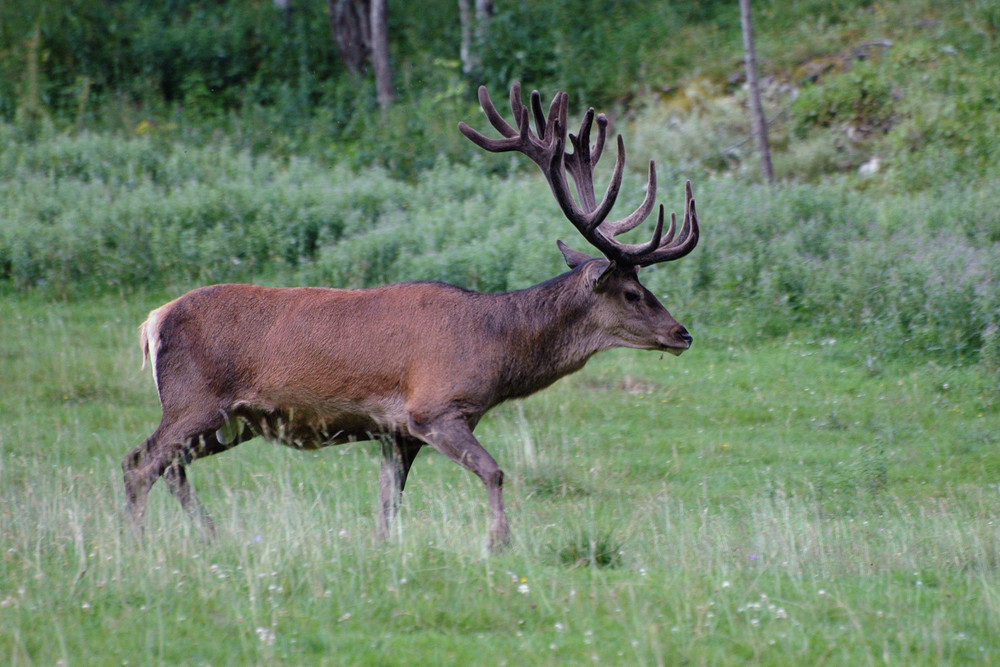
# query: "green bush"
x,y
204,54
912,273
860,98
456,225
909,273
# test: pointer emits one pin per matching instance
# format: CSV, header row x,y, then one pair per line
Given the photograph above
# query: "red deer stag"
x,y
410,364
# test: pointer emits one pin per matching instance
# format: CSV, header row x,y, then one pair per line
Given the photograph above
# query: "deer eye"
x,y
632,296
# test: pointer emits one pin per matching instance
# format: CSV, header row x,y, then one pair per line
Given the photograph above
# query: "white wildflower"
x,y
265,635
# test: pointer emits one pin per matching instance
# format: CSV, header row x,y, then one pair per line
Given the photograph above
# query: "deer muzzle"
x,y
676,341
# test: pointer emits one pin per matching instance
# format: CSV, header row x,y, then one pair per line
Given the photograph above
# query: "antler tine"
x,y
602,133
584,135
687,239
657,231
669,236
558,112
607,203
637,217
512,139
536,109
661,248
496,120
580,164
634,254
514,98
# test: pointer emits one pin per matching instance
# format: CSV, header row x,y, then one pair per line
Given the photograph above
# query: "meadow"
x,y
775,500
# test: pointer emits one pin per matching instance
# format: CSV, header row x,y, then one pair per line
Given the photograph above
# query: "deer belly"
x,y
315,425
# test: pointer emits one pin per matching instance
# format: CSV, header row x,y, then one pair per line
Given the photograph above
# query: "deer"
x,y
412,364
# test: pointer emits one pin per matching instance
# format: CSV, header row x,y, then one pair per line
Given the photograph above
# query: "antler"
x,y
546,147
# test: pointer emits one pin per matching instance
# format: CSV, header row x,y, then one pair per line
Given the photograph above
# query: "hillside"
x,y
912,83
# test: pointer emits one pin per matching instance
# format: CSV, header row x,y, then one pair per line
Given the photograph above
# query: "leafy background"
x,y
181,142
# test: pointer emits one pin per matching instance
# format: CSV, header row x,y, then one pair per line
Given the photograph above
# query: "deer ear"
x,y
574,258
601,281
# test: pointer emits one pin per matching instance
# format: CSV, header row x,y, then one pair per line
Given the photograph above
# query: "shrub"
x,y
860,98
914,274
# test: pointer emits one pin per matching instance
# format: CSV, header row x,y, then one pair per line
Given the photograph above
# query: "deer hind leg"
x,y
453,437
180,488
398,453
139,479
165,454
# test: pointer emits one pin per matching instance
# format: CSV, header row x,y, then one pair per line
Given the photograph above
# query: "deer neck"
x,y
548,332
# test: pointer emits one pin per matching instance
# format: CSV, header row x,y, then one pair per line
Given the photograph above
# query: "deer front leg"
x,y
452,436
398,454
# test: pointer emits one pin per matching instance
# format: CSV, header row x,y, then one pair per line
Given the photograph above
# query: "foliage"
x,y
924,100
913,274
209,61
910,83
587,549
211,56
860,98
910,272
590,48
93,212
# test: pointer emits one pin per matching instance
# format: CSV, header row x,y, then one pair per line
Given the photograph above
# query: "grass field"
x,y
774,501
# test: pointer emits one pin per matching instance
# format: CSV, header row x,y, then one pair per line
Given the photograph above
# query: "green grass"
x,y
776,501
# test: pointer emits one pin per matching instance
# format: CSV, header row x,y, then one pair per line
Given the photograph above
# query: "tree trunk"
x,y
757,109
351,30
481,34
360,31
475,35
380,53
465,52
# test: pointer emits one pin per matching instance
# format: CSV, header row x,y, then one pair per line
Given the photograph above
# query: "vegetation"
x,y
814,481
913,82
771,501
913,273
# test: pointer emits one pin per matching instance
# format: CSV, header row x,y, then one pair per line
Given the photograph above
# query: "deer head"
x,y
634,316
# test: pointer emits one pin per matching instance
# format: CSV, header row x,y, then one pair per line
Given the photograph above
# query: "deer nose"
x,y
685,336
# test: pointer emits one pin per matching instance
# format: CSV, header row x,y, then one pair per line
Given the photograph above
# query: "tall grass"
x,y
295,576
775,503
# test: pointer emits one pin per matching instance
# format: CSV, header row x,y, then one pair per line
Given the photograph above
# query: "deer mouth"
x,y
674,346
